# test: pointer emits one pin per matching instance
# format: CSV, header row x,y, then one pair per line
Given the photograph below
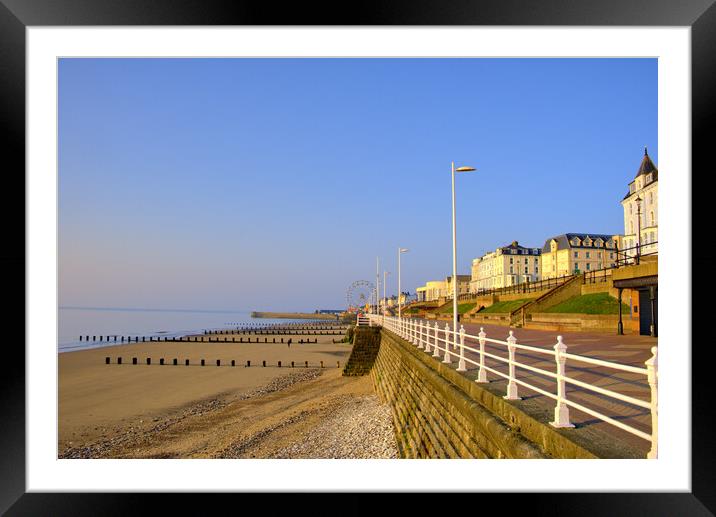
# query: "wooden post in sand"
x,y
264,364
291,364
321,364
306,364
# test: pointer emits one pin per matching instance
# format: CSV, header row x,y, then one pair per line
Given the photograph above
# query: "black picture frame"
x,y
17,15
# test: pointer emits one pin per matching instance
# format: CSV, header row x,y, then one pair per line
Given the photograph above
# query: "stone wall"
x,y
366,343
439,413
564,322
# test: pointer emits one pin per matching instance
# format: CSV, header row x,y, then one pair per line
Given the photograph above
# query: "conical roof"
x,y
646,166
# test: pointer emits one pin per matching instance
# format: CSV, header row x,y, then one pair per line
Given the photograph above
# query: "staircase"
x,y
570,288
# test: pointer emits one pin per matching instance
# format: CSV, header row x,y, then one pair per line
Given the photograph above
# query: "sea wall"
x,y
439,413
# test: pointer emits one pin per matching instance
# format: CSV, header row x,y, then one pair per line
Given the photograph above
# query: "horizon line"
x,y
73,307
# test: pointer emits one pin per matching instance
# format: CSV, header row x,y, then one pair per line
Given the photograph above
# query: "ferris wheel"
x,y
359,293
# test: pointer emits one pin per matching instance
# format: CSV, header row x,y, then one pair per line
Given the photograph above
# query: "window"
x,y
651,235
599,265
587,254
651,198
651,218
576,254
648,178
511,270
511,259
631,207
611,255
526,270
576,266
588,265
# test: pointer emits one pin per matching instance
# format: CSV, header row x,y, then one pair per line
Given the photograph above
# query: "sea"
x,y
74,322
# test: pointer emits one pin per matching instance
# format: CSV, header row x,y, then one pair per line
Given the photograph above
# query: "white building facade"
x,y
641,210
506,266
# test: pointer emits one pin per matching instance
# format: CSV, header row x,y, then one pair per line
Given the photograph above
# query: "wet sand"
x,y
99,403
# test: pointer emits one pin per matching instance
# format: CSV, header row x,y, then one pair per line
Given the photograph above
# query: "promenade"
x,y
632,350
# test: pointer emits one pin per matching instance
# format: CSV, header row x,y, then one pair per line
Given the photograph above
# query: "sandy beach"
x,y
193,411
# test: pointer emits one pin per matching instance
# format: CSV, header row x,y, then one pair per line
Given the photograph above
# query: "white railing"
x,y
365,321
431,338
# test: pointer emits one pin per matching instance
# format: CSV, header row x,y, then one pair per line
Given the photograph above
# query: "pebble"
x,y
359,427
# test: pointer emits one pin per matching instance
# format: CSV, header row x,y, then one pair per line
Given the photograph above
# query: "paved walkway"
x,y
632,350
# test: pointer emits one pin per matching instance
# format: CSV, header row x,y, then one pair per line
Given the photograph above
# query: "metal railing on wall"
x,y
524,287
430,337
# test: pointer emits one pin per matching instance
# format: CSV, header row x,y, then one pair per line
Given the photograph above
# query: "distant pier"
x,y
296,315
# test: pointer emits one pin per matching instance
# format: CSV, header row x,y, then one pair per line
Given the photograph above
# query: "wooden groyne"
x,y
295,315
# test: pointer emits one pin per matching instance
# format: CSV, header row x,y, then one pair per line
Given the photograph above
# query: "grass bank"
x,y
501,307
462,308
596,303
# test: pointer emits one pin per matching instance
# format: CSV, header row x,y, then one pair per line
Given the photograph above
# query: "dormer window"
x,y
648,177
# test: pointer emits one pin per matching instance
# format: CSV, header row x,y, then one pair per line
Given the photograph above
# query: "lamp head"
x,y
465,169
404,250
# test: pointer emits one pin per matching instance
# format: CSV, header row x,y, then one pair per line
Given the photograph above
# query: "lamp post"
x,y
454,247
385,300
400,252
638,224
377,284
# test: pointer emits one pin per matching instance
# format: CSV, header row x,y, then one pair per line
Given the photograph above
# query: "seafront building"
x,y
572,253
435,290
642,202
508,265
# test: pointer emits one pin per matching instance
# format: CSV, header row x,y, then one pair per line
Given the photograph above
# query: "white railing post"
x,y
482,373
420,334
415,332
511,385
447,359
653,377
427,336
436,348
461,363
561,410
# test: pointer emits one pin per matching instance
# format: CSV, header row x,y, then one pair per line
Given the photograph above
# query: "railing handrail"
x,y
429,335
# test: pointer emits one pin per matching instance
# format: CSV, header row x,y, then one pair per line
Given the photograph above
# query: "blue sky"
x,y
274,183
